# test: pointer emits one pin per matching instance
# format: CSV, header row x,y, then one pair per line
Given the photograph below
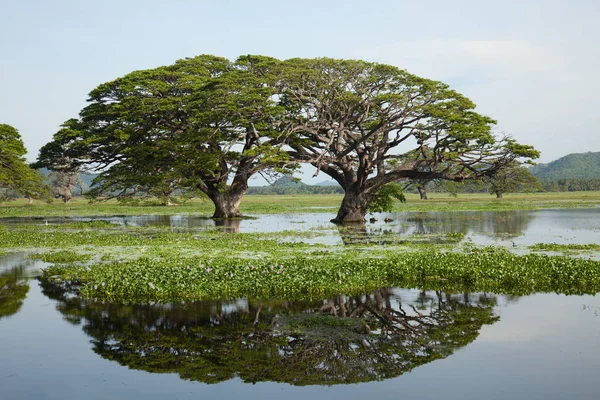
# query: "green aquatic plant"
x,y
564,247
61,257
306,276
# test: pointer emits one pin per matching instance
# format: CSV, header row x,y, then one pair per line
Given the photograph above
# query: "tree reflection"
x,y
345,339
433,226
13,291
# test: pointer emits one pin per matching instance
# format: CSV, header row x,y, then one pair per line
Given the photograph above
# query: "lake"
x,y
388,343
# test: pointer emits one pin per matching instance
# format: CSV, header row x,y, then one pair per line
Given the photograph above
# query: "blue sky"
x,y
531,65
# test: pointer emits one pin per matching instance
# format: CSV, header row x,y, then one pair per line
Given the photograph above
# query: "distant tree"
x,y
420,185
512,178
15,173
65,185
350,118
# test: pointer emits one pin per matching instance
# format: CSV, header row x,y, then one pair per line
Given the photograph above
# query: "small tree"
x,y
65,184
512,178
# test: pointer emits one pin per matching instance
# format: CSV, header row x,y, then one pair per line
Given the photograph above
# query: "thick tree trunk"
x,y
353,208
422,192
227,204
498,195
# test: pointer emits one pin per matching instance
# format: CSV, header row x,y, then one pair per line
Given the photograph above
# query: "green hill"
x,y
571,166
288,181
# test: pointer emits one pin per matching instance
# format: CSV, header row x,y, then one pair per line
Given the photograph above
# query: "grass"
x,y
277,204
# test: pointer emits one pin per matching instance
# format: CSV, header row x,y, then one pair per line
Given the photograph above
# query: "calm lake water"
x,y
398,343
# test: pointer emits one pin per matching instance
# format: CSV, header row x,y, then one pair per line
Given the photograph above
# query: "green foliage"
x,y
60,257
512,178
564,247
15,174
384,199
209,124
188,126
351,117
300,276
572,185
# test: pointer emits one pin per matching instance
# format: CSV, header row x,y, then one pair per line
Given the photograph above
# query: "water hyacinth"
x,y
350,272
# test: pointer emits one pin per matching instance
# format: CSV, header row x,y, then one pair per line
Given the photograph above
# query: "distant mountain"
x,y
327,183
571,166
287,181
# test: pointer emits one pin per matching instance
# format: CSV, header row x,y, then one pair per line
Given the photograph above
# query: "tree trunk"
x,y
353,208
498,195
422,192
227,204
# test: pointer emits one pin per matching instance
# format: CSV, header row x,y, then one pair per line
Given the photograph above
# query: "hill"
x,y
571,166
327,183
287,181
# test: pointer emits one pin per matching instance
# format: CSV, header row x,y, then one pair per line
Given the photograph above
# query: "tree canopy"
x,y
367,124
209,124
203,123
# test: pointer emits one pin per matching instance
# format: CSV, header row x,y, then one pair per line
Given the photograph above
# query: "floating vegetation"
x,y
301,276
565,247
62,257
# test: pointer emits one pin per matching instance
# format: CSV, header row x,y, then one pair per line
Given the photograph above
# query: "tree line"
x,y
207,124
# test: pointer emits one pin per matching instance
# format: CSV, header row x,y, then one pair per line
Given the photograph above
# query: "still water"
x,y
390,343
523,228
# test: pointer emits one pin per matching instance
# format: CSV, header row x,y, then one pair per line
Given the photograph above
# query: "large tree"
x,y
367,124
203,123
15,173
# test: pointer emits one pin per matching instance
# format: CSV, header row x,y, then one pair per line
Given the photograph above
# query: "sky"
x,y
531,65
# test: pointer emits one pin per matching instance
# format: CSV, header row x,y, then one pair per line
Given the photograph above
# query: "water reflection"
x,y
339,340
13,290
479,225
